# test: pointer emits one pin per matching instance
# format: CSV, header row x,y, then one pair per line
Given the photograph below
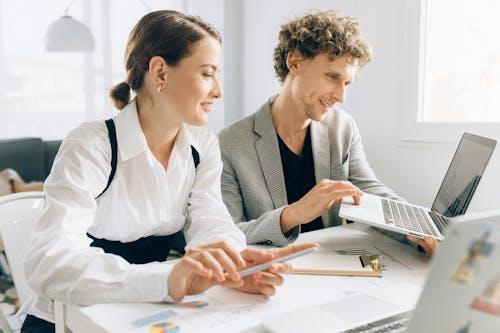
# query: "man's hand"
x,y
317,201
429,244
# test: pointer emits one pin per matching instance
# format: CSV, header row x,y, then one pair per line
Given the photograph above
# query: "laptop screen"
x,y
463,175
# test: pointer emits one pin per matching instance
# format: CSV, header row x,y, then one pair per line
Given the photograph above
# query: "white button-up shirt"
x,y
143,199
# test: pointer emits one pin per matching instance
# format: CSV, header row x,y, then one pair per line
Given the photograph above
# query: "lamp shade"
x,y
69,35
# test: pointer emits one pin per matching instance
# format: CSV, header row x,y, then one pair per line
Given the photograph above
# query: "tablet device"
x,y
261,267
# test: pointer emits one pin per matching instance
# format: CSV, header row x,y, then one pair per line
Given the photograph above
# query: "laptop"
x,y
461,293
453,198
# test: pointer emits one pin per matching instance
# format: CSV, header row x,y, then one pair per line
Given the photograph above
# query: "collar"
x,y
264,120
129,135
185,140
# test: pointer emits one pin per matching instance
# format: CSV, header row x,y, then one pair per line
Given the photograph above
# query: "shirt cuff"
x,y
277,237
152,281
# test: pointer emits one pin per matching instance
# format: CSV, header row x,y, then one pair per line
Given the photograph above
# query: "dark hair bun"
x,y
120,95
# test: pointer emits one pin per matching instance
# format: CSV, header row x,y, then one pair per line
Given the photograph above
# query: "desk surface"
x,y
221,309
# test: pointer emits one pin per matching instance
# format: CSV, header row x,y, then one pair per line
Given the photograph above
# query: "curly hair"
x,y
320,32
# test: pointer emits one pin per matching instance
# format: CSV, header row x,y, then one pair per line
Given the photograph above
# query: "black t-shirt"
x,y
299,175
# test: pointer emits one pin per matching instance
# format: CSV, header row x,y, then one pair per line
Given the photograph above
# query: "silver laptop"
x,y
453,198
462,291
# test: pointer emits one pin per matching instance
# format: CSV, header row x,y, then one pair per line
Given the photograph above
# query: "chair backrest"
x,y
17,216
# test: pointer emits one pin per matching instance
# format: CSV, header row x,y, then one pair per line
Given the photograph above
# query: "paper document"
x,y
331,263
217,310
394,256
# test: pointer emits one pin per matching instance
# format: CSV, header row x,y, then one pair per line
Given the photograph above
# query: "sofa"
x,y
32,158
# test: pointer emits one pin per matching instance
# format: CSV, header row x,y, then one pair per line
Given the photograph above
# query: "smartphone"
x,y
266,265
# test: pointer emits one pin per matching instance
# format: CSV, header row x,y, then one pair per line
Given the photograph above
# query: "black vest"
x,y
147,249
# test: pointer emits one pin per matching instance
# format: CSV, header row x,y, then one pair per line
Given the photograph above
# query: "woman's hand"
x,y
219,263
266,282
203,267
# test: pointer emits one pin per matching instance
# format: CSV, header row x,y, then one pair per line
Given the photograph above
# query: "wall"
x,y
213,12
414,170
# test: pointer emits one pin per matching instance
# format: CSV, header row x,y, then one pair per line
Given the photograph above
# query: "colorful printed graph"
x,y
164,328
195,304
163,315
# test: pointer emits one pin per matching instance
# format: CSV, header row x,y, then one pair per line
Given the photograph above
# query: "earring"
x,y
159,89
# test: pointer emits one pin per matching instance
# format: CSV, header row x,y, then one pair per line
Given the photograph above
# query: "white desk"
x,y
232,311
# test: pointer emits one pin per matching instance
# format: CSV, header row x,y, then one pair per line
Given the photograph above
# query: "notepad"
x,y
325,263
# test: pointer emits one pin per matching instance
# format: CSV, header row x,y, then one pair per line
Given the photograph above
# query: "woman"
x,y
120,193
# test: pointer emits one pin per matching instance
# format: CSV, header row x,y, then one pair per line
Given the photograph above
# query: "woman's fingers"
x,y
190,264
258,256
187,270
281,268
270,279
232,284
227,264
219,258
293,249
266,289
206,258
235,256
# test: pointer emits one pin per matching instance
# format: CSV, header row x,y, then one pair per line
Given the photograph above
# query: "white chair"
x,y
18,212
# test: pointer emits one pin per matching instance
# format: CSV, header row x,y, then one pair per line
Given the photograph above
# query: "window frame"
x,y
413,78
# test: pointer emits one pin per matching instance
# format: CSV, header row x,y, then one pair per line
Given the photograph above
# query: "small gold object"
x,y
372,260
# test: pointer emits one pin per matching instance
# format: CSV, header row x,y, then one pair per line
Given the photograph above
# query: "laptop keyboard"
x,y
391,324
407,217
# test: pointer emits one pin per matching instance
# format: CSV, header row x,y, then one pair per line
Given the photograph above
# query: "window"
x,y
451,74
47,94
42,93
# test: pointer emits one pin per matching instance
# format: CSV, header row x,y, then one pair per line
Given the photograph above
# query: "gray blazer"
x,y
253,185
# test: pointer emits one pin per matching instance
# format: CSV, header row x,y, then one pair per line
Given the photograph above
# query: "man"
x,y
287,167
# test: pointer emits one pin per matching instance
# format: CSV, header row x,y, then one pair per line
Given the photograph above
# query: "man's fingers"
x,y
356,199
335,195
430,241
343,185
416,240
339,184
423,242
